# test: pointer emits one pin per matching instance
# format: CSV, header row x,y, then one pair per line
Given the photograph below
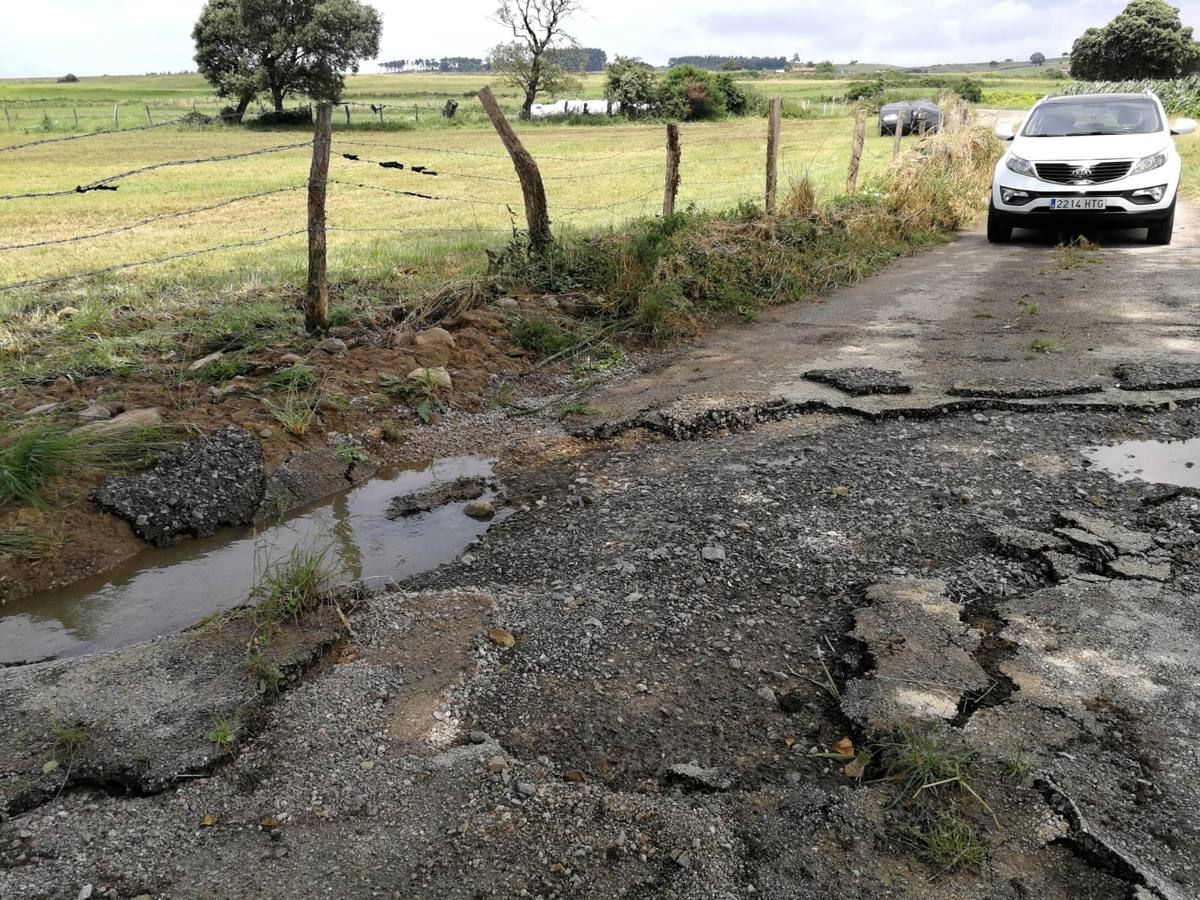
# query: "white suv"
x,y
1092,161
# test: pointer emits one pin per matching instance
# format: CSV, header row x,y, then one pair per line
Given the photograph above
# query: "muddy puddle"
x,y
164,590
1157,462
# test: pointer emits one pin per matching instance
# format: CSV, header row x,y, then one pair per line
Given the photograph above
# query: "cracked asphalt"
x,y
631,686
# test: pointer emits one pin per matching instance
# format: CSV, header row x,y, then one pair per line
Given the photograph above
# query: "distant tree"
x,y
730,63
69,78
970,90
826,68
527,62
630,82
1038,59
1147,40
854,62
244,47
579,59
994,63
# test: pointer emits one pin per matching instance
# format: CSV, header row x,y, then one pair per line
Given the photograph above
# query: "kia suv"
x,y
1093,161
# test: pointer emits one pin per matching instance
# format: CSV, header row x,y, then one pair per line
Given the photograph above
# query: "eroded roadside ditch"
x,y
637,653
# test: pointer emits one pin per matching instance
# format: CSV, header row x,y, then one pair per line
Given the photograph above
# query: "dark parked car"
x,y
907,115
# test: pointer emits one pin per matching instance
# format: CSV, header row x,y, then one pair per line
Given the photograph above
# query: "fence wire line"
x,y
420,196
185,120
42,282
106,184
461,152
160,217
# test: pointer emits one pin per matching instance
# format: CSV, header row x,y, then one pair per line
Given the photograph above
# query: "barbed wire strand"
x,y
161,217
149,262
106,184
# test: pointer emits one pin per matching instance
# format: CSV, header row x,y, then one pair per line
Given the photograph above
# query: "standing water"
x,y
1158,462
164,590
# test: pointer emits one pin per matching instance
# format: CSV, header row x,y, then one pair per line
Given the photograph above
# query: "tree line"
x,y
730,63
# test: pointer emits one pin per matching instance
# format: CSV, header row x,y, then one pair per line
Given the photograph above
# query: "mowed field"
x,y
594,177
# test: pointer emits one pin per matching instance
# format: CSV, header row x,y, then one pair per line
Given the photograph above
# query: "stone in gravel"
x,y
527,788
437,376
1121,539
479,737
1158,376
203,361
135,419
507,303
1137,567
480,509
502,638
1022,542
333,345
860,381
713,554
1021,390
211,482
85,892
767,696
94,413
1062,565
41,410
683,860
433,337
497,764
691,776
291,359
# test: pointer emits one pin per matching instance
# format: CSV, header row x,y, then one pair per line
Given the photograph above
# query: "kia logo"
x,y
1083,172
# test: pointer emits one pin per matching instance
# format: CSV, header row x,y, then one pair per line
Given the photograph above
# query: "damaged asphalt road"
x,y
694,668
661,724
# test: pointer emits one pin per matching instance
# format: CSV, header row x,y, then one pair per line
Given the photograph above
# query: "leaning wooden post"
x,y
673,155
149,118
316,301
898,135
856,149
7,118
75,113
537,217
117,115
774,123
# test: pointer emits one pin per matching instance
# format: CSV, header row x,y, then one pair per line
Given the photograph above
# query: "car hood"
x,y
1120,146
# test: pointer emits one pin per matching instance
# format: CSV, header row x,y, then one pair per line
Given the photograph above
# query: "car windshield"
x,y
1094,117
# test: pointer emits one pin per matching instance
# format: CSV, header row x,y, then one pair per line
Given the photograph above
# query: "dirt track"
x,y
659,728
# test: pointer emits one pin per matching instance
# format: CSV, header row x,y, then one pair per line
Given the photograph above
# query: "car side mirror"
x,y
1183,126
1007,132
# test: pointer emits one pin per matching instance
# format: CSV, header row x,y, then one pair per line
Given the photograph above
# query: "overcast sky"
x,y
94,37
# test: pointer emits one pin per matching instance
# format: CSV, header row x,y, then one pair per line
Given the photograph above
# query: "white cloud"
x,y
91,37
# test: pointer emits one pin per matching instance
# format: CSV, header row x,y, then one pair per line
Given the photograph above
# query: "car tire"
x,y
998,231
1160,233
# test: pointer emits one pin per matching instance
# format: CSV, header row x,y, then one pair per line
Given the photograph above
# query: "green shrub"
x,y
970,90
691,94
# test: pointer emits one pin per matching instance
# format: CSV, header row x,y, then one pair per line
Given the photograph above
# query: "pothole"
x,y
1157,462
160,591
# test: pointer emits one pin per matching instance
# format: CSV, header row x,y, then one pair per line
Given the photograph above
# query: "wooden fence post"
x,y
774,123
347,113
316,301
537,217
7,119
673,155
117,115
75,113
898,135
922,125
856,149
149,118
381,108
417,112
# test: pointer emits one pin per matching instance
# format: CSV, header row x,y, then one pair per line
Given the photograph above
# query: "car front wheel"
x,y
998,231
1160,233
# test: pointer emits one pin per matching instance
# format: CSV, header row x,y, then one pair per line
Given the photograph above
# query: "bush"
x,y
1180,96
970,90
301,115
690,94
69,78
630,82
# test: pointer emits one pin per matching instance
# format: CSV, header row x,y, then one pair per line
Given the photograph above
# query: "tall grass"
x,y
34,458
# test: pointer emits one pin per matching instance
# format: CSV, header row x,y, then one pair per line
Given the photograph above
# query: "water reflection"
x,y
164,590
1157,462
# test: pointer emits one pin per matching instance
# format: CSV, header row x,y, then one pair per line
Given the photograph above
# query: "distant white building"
x,y
580,107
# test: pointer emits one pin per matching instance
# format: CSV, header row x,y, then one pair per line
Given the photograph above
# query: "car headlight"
x,y
1149,163
1021,166
890,117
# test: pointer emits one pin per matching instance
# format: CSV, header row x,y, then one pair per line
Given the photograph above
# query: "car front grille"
x,y
1084,173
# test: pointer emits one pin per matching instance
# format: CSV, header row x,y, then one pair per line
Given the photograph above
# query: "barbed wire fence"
x,y
416,174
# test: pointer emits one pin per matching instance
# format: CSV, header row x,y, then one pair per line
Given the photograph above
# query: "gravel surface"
x,y
212,482
618,691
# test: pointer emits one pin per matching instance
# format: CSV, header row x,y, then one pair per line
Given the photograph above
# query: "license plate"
x,y
1071,204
